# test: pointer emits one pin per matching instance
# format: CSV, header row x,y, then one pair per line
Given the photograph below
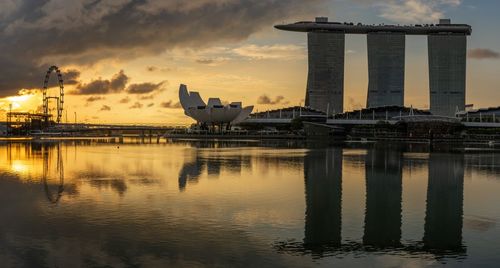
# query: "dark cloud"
x,y
170,105
94,98
105,108
157,69
204,61
146,97
137,105
36,34
71,77
100,86
264,99
16,75
125,100
483,53
144,88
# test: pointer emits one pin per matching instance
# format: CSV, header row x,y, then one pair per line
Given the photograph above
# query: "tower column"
x,y
386,69
447,73
325,81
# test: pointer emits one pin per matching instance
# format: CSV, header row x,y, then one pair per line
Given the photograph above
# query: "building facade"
x,y
325,81
386,59
447,73
386,69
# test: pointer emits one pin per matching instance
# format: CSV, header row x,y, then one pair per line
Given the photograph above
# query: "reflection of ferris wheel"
x,y
60,99
53,196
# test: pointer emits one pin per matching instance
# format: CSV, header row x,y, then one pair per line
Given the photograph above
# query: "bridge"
x,y
142,130
22,128
123,127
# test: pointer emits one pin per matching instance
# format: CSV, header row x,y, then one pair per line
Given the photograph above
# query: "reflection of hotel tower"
x,y
323,183
383,198
383,212
445,194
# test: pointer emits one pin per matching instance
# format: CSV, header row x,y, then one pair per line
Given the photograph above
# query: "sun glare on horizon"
x,y
27,102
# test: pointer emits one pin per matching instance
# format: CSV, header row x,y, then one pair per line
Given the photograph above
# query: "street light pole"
x,y
9,119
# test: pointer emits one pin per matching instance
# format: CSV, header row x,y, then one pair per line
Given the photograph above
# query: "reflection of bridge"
x,y
383,210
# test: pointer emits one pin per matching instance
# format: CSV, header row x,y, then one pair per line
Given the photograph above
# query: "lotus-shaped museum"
x,y
214,112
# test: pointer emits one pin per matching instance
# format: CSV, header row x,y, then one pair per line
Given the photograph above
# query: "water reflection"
x,y
384,189
383,209
201,162
444,212
24,159
190,171
46,150
134,205
484,163
323,190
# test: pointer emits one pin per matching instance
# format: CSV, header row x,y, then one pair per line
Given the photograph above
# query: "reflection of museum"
x,y
383,209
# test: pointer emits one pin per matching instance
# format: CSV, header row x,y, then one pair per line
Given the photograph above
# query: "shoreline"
x,y
477,144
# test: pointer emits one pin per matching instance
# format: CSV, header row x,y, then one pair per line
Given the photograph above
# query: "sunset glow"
x,y
242,65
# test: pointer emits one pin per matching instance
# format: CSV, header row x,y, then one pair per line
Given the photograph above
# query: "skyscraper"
x,y
447,73
386,63
325,81
386,69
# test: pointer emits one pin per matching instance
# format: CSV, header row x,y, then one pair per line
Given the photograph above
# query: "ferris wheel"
x,y
59,99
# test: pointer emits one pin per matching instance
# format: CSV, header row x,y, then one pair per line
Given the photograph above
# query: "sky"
x,y
123,60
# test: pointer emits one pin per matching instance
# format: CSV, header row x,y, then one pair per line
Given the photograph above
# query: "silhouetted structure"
x,y
190,171
21,123
323,186
386,61
386,69
383,198
444,211
325,81
59,99
447,73
383,211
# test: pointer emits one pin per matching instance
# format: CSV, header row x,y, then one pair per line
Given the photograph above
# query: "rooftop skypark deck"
x,y
322,24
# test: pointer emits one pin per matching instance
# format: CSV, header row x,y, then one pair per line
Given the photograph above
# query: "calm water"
x,y
98,204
